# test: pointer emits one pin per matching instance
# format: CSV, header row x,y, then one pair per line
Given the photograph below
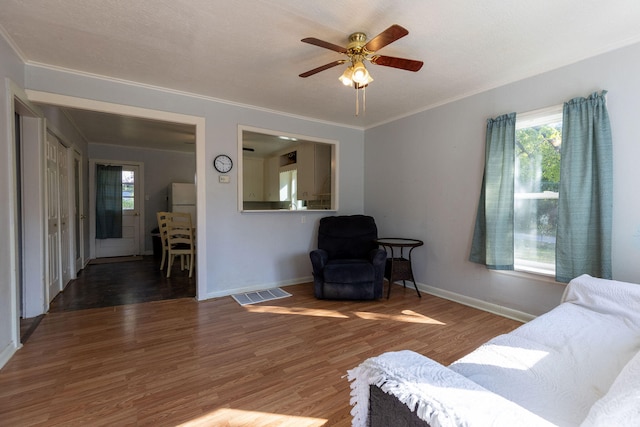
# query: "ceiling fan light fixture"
x,y
345,78
360,74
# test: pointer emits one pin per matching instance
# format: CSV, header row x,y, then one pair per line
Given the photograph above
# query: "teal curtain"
x,y
492,243
585,201
108,202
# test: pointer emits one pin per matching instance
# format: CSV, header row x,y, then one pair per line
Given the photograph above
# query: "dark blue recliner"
x,y
348,263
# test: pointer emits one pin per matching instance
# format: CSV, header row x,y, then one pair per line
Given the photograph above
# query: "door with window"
x,y
127,241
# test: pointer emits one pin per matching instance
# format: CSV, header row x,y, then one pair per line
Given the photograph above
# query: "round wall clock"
x,y
222,163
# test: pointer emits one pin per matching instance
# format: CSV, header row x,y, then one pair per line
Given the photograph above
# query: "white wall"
x,y
161,168
11,68
423,175
244,250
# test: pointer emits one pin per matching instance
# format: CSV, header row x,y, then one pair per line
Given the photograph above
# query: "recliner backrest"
x,y
347,236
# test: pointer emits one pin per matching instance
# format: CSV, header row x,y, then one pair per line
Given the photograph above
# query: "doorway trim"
x,y
32,129
79,214
147,113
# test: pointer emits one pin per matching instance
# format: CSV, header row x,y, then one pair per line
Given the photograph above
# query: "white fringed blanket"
x,y
440,396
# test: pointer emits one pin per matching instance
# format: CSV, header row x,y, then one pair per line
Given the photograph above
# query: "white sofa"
x,y
577,365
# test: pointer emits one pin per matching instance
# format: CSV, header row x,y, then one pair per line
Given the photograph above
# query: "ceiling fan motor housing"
x,y
356,44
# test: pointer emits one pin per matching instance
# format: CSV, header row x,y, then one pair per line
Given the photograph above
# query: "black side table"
x,y
399,268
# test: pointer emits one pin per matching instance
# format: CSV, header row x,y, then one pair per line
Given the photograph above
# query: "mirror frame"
x,y
334,167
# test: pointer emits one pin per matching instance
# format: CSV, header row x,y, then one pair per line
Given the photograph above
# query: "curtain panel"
x,y
492,243
585,203
108,202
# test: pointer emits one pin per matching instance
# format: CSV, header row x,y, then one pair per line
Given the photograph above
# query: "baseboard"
x,y
258,287
509,313
7,353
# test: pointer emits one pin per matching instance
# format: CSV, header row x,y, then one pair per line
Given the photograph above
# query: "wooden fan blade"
x,y
317,42
402,63
322,68
389,35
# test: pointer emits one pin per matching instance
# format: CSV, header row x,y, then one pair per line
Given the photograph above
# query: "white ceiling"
x,y
249,52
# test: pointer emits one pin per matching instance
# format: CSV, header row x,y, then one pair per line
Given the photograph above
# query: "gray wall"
x,y
433,163
244,250
11,67
160,169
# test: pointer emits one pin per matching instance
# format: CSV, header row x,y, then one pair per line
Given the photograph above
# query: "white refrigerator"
x,y
182,198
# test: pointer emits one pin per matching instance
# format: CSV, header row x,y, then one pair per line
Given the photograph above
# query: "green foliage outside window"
x,y
536,186
538,150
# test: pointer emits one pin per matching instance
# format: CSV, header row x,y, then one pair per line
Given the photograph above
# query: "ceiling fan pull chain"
x,y
364,101
357,99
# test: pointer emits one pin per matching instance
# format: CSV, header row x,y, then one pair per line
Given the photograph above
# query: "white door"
x,y
54,278
129,244
65,236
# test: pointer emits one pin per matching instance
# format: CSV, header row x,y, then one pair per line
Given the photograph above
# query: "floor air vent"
x,y
260,296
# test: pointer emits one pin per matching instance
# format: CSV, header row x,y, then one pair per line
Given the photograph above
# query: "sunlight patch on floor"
x,y
237,417
408,316
295,310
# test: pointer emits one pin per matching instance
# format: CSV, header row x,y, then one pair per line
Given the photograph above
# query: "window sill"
x,y
531,273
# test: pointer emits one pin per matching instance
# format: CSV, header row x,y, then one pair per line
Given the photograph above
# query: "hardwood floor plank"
x,y
183,362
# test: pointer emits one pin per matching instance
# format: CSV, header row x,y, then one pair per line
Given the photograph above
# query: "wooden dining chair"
x,y
180,242
163,227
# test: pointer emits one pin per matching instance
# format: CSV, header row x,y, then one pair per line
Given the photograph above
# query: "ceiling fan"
x,y
360,50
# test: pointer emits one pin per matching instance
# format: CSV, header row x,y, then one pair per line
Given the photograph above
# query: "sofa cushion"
x,y
620,407
348,271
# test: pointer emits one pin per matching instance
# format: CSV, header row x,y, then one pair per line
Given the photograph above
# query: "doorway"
x,y
202,169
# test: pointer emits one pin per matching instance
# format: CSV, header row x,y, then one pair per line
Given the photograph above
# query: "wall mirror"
x,y
280,171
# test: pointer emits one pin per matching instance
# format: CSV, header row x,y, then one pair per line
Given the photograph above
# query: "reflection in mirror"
x,y
286,172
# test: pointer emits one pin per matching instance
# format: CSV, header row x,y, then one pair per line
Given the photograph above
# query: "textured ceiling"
x,y
249,52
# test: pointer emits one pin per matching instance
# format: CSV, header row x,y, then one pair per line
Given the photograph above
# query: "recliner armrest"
x,y
378,257
319,258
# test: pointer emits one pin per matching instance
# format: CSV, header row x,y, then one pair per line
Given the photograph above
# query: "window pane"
x,y
128,190
128,203
537,177
128,176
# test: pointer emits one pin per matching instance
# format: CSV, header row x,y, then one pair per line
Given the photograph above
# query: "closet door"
x,y
64,214
54,277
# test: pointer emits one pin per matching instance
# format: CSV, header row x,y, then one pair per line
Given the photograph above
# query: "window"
x,y
288,186
128,190
536,186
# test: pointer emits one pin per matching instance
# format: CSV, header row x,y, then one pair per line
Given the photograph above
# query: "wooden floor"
x,y
131,282
215,363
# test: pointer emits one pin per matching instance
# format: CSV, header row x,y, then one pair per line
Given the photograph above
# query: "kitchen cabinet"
x,y
252,187
272,179
314,171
